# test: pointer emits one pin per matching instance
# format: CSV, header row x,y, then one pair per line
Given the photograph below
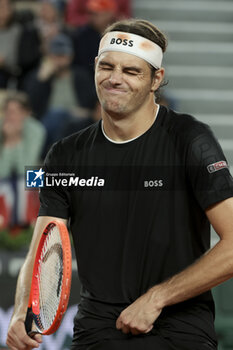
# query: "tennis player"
x,y
150,182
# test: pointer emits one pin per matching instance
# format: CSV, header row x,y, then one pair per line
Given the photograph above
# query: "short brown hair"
x,y
140,27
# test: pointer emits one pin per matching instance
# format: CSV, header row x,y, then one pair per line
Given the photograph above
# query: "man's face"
x,y
123,82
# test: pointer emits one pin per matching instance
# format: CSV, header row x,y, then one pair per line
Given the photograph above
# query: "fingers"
x,y
17,338
139,317
130,326
21,343
11,348
125,329
149,329
38,338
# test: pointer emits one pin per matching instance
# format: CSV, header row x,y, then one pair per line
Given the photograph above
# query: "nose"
x,y
115,77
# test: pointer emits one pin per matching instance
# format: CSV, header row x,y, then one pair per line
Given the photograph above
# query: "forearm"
x,y
23,290
215,267
211,269
17,338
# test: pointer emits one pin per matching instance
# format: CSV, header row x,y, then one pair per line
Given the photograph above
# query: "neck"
x,y
123,128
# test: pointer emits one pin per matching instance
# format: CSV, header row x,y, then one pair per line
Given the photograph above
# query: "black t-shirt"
x,y
140,216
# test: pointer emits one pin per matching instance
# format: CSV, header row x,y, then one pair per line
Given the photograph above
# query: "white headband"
x,y
134,45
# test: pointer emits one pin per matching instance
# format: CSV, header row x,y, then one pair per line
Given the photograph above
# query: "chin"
x,y
114,108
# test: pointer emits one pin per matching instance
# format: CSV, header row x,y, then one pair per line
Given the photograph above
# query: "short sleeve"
x,y
207,167
54,201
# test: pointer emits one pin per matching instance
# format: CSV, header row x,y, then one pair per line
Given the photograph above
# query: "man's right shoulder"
x,y
77,141
82,136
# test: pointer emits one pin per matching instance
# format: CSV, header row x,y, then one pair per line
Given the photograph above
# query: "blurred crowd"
x,y
47,52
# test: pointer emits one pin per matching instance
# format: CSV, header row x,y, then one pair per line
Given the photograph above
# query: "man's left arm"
x,y
213,268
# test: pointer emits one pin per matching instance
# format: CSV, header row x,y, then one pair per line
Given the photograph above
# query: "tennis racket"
x,y
51,280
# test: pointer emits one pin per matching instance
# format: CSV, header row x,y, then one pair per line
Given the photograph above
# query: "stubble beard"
x,y
114,108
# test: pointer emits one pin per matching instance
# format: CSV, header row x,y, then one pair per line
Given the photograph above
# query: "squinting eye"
x,y
131,73
106,68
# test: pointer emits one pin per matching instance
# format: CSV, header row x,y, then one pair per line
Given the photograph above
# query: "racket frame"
x,y
34,302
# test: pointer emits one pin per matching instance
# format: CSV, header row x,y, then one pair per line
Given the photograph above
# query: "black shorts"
x,y
153,342
188,328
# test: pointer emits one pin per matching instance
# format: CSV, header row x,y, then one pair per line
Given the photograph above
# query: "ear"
x,y
157,80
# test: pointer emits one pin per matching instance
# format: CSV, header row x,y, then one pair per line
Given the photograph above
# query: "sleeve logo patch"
x,y
217,166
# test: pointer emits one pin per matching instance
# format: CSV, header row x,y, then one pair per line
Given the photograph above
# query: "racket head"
x,y
51,279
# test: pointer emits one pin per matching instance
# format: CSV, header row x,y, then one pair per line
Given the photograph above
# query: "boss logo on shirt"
x,y
124,42
217,166
153,183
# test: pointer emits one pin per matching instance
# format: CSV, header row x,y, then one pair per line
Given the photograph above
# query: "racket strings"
x,y
51,275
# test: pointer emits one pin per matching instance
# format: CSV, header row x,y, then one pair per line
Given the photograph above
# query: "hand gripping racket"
x,y
51,280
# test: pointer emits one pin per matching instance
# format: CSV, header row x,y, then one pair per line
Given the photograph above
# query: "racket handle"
x,y
31,333
28,323
28,320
